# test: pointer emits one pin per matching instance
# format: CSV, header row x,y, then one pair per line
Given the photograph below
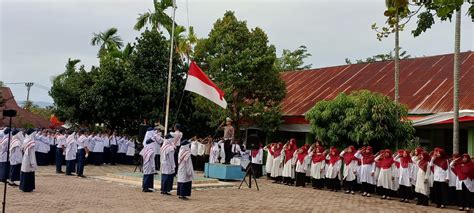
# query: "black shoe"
x,y
81,176
69,174
165,193
147,190
183,198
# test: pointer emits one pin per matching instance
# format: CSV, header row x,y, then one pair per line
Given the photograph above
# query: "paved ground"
x,y
58,193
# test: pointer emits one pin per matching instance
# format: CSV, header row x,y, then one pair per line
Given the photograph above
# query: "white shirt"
x,y
60,141
194,148
177,137
439,174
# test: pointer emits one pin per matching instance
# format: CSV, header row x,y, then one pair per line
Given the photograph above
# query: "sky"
x,y
38,36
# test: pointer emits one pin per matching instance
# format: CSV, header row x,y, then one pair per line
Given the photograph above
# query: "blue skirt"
x,y
4,171
15,172
27,181
166,182
148,181
184,189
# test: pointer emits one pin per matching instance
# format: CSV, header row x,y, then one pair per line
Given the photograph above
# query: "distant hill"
x,y
42,104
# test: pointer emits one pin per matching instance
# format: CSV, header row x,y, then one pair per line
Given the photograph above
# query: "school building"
x,y
426,88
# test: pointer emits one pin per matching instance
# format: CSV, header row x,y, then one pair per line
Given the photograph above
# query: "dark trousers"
x,y
404,192
4,171
367,188
157,162
59,159
422,199
166,182
41,158
452,196
98,158
176,153
317,183
148,181
27,181
81,159
350,185
257,169
465,197
440,193
334,184
113,154
300,179
288,180
228,151
386,192
70,167
278,179
106,158
52,155
15,172
184,189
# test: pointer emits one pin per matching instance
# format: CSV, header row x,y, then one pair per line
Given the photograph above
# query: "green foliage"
x,y
241,62
380,57
363,117
157,18
108,41
443,9
397,11
293,60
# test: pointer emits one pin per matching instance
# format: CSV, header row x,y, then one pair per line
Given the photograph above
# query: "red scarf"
x,y
464,170
318,155
423,164
386,162
349,157
404,161
302,154
290,150
270,149
277,151
367,158
441,161
333,158
255,152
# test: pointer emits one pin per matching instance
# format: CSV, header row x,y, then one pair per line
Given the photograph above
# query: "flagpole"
x,y
170,70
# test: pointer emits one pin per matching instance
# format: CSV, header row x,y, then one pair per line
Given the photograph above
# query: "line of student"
x,y
174,157
409,175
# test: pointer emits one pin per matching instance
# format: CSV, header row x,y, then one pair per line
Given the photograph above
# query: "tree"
x,y
445,11
241,62
157,18
361,118
380,57
396,11
293,60
108,41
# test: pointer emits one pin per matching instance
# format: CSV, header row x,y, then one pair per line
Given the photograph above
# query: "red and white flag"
x,y
199,83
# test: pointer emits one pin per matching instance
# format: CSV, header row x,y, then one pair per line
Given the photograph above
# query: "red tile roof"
x,y
425,83
23,116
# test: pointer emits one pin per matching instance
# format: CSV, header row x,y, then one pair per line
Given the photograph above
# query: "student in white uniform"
x,y
167,165
367,169
422,185
148,155
60,147
82,152
28,164
4,163
98,149
16,156
333,170
386,177
318,158
236,151
405,175
130,151
464,169
177,136
277,166
439,164
289,151
301,165
42,148
269,159
70,153
185,171
106,141
113,148
257,161
350,168
122,149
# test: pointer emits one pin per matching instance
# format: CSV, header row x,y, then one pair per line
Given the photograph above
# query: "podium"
x,y
223,171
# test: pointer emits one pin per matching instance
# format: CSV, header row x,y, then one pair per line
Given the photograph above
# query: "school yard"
x,y
60,193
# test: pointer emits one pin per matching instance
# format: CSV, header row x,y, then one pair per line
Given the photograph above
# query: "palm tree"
x,y
184,44
457,70
107,40
123,54
157,18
